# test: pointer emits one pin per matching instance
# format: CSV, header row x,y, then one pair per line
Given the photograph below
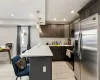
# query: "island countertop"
x,y
38,51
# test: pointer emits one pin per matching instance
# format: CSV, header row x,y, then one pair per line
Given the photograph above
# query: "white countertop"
x,y
38,51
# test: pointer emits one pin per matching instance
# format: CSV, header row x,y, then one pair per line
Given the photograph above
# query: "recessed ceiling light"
x,y
12,14
72,12
22,0
31,15
55,19
64,19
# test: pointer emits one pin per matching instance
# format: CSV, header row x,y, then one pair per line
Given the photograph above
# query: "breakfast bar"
x,y
40,62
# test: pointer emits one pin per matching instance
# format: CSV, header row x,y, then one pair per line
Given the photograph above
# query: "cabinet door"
x,y
57,51
55,31
61,31
86,13
45,31
57,55
64,52
71,34
66,31
83,15
95,8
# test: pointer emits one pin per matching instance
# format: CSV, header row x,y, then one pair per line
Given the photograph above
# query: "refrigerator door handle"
x,y
81,44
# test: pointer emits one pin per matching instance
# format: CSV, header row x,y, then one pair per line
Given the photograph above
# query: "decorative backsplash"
x,y
50,40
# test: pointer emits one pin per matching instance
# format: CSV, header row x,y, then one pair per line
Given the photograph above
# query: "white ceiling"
x,y
61,9
26,9
21,10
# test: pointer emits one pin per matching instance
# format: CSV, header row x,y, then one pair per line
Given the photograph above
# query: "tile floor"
x,y
60,71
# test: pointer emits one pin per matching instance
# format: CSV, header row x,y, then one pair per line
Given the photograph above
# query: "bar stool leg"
x,y
9,56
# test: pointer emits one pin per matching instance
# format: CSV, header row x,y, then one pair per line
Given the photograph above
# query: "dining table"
x,y
8,51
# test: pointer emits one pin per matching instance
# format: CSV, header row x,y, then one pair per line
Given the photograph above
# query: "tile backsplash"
x,y
50,40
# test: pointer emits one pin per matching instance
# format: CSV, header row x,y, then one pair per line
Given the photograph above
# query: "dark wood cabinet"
x,y
53,31
85,14
45,31
59,53
95,8
66,31
62,31
91,8
71,30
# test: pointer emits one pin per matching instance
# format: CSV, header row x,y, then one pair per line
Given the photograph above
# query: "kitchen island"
x,y
40,62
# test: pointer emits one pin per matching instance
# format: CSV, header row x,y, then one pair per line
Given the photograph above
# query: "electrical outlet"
x,y
44,68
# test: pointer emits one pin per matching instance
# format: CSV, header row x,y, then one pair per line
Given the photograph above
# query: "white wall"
x,y
35,39
8,34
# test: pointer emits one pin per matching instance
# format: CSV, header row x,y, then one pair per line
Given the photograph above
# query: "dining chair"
x,y
19,73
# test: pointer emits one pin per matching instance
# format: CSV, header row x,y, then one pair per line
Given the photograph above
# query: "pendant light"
x,y
38,21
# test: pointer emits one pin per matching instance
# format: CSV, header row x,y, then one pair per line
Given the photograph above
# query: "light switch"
x,y
44,68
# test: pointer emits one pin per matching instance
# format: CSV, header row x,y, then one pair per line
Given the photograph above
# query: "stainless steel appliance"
x,y
77,61
87,49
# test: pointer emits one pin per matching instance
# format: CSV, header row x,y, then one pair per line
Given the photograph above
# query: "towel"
x,y
68,53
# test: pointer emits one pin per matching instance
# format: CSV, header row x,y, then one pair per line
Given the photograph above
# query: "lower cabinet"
x,y
71,61
59,53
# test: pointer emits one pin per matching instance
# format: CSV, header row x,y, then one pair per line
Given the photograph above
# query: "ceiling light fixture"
x,y
40,30
72,12
31,15
55,19
12,14
38,26
22,0
38,21
64,19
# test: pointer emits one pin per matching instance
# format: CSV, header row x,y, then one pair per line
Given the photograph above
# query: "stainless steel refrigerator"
x,y
87,48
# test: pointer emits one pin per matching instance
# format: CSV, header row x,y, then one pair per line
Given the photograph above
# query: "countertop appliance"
x,y
87,49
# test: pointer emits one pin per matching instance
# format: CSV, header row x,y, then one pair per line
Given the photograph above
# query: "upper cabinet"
x,y
95,8
71,30
66,31
45,31
62,31
91,8
54,31
72,26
